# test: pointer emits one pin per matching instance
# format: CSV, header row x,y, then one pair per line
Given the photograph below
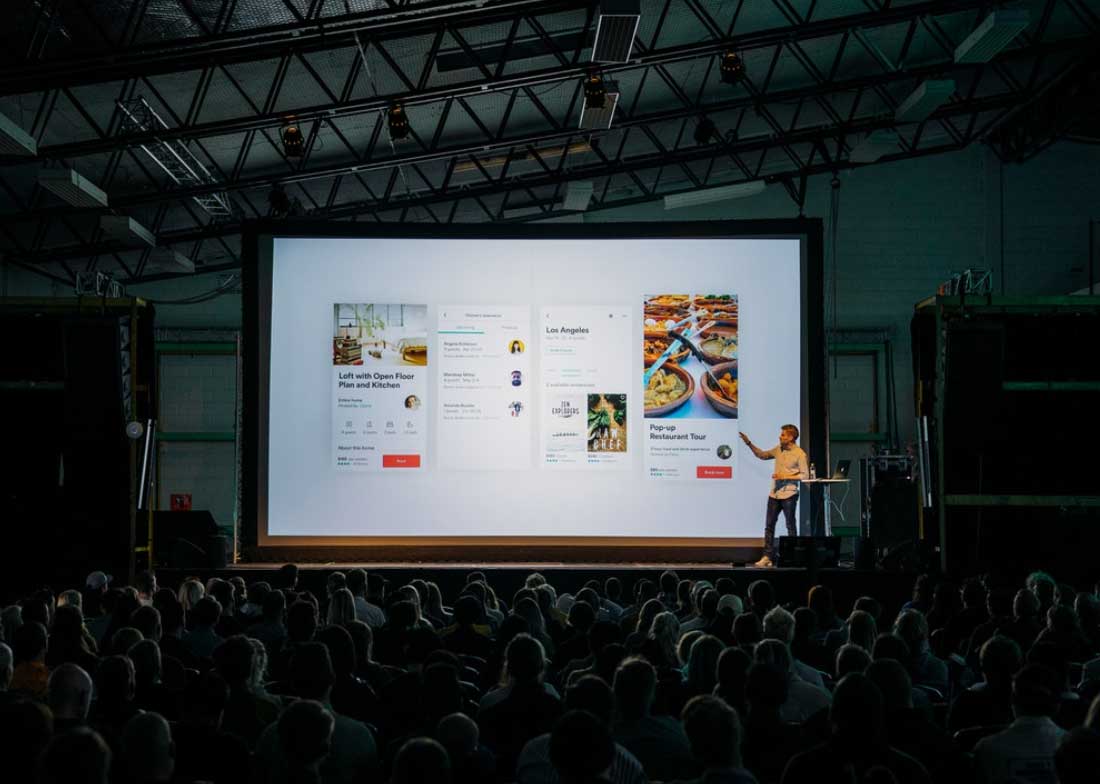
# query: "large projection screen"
x,y
525,386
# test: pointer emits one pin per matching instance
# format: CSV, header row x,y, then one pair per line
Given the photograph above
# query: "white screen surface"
x,y
473,455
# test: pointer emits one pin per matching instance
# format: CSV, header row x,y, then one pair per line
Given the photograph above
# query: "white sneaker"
x,y
764,563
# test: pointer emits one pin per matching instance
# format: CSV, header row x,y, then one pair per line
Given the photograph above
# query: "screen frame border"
x,y
256,545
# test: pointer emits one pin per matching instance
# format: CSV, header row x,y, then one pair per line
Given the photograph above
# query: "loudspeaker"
x,y
812,552
182,540
894,507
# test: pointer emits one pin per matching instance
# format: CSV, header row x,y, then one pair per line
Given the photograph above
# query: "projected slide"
x,y
526,387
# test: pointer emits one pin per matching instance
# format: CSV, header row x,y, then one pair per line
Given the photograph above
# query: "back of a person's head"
x,y
762,597
613,588
869,605
115,680
29,642
702,670
363,637
301,621
207,697
234,660
973,593
311,673
774,652
851,658
25,729
912,627
591,694
708,603
779,625
581,616
207,611
286,577
458,733
857,711
733,664
1036,691
766,687
274,606
669,581
893,682
889,645
341,649
79,756
1025,604
590,597
747,629
1077,759
123,640
171,615
601,634
635,687
525,659
305,734
646,589
862,629
7,665
999,659
420,643
147,748
468,610
421,761
146,619
1062,619
145,654
581,748
713,731
820,600
1051,656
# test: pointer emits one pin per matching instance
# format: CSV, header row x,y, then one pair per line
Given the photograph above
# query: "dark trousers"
x,y
787,505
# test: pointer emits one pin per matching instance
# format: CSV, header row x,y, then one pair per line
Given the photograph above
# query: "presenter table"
x,y
826,491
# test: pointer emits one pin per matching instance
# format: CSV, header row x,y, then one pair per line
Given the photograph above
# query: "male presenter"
x,y
790,468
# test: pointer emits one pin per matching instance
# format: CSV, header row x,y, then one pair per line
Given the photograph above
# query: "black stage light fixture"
x,y
732,67
595,94
398,122
294,142
705,131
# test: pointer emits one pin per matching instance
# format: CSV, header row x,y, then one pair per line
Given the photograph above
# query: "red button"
x,y
713,472
401,461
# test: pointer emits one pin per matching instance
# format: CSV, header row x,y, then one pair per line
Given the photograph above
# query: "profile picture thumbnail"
x,y
516,347
724,452
515,408
517,378
412,402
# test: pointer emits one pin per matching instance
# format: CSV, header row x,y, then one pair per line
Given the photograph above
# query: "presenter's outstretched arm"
x,y
756,450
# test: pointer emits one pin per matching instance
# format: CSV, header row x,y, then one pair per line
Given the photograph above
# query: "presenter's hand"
x,y
745,438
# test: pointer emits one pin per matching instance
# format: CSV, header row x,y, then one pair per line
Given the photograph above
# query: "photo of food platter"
x,y
689,355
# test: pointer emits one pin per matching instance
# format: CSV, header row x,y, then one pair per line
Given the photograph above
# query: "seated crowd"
x,y
680,681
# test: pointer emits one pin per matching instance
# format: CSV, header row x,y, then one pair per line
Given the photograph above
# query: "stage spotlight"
x,y
293,141
705,131
398,122
732,67
595,94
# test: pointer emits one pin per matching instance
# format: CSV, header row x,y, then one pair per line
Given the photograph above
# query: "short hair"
x,y
912,626
1036,691
774,652
534,580
234,660
857,710
1025,604
999,658
591,694
1078,756
762,596
869,605
581,747
613,588
274,605
124,639
890,646
747,629
145,581
766,686
581,616
287,576
305,732
635,687
892,680
791,429
146,619
301,621
713,731
458,733
779,625
72,596
207,611
69,692
669,581
311,672
524,658
851,658
115,680
29,642
145,654
421,761
79,756
341,649
147,747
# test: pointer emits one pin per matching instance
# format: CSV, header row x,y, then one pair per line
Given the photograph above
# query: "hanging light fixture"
x,y
595,94
732,67
294,141
398,122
